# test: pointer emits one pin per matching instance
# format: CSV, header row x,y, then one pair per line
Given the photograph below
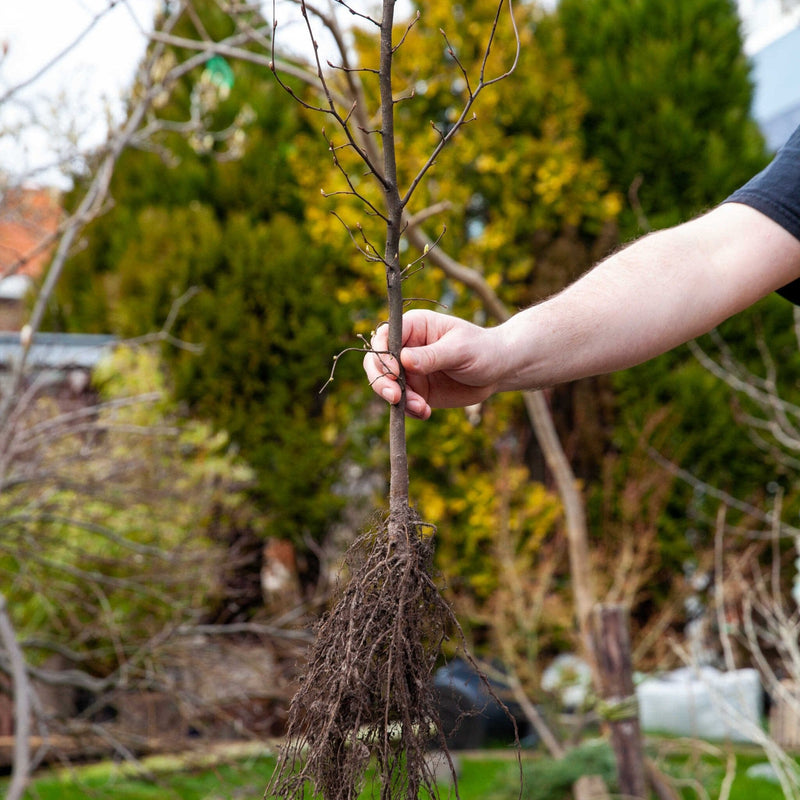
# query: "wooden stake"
x,y
618,707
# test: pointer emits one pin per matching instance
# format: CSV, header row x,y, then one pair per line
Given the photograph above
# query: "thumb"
x,y
421,360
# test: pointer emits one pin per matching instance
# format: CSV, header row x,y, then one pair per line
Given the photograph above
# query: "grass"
x,y
160,778
243,775
698,770
169,778
708,772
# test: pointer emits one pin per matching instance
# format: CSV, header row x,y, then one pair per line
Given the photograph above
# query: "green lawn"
x,y
489,776
224,781
242,779
709,772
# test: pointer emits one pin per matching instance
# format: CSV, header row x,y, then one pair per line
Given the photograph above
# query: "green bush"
x,y
552,778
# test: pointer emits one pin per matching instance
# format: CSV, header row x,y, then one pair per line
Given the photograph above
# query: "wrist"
x,y
511,353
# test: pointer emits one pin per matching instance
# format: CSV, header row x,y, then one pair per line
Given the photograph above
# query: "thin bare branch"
x,y
165,334
719,593
422,216
487,52
451,51
232,47
366,248
336,358
373,209
21,766
767,517
342,68
470,278
410,25
355,13
472,95
324,85
734,374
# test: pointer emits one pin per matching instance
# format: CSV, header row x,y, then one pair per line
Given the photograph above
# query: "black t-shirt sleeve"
x,y
775,192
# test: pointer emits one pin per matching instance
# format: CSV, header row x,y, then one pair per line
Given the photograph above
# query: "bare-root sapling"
x,y
367,697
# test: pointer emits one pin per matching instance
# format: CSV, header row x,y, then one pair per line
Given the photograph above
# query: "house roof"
x,y
56,351
29,220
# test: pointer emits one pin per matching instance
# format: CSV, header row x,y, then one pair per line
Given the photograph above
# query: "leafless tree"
x,y
369,688
64,460
752,618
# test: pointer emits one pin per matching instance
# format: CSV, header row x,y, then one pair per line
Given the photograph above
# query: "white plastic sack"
x,y
704,703
568,677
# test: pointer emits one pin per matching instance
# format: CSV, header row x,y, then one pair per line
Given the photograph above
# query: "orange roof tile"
x,y
29,220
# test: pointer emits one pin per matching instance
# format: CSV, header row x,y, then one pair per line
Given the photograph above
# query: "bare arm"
x,y
657,293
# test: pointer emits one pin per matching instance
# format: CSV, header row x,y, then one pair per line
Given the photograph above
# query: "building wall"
x,y
772,40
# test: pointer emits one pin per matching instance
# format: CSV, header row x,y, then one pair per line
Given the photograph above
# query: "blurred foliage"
x,y
553,778
669,94
108,514
701,424
521,204
605,94
529,194
519,198
498,535
500,539
187,216
283,288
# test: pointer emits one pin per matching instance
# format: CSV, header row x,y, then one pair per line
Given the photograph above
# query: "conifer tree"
x,y
225,220
670,93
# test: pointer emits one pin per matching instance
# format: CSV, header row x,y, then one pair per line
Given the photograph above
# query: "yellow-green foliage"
x,y
500,545
512,181
524,206
108,517
473,486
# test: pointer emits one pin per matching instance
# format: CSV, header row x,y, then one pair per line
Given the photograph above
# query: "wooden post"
x,y
617,706
784,716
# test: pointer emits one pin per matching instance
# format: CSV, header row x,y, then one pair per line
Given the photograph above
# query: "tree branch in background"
x,y
20,772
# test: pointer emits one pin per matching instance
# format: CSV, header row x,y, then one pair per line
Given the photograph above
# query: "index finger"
x,y
381,368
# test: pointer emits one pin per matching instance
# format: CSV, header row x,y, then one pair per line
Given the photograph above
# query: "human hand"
x,y
448,363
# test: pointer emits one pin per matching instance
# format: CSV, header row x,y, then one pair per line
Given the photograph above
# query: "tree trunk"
x,y
398,457
618,699
20,772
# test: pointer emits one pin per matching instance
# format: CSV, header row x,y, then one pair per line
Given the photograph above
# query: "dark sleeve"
x,y
775,191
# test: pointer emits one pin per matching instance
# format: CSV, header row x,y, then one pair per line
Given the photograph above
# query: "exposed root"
x,y
367,696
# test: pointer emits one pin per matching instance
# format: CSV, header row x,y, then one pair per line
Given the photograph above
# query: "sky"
x,y
87,85
87,82
77,96
764,21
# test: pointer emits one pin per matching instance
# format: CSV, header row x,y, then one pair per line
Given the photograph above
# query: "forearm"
x,y
655,294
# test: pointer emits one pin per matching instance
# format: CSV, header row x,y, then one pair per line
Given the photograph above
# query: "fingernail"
x,y
388,395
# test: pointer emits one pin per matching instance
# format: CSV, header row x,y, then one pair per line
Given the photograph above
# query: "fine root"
x,y
367,697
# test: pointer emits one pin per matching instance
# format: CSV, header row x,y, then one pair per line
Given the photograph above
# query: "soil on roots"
x,y
367,696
